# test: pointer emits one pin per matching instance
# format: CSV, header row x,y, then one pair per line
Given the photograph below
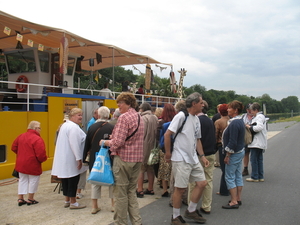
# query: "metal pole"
x,y
113,69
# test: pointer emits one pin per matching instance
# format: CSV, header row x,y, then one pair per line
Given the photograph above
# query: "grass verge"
x,y
295,118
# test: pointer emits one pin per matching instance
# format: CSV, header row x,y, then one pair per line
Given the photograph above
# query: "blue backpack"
x,y
163,131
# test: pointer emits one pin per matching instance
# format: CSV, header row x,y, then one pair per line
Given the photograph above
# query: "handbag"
x,y
87,158
248,136
154,156
55,179
101,173
15,174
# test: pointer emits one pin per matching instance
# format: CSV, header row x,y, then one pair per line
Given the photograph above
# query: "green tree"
x,y
290,103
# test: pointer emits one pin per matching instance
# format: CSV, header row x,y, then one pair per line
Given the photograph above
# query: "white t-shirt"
x,y
186,141
106,93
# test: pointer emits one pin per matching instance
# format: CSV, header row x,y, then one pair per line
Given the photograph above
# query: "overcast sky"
x,y
249,46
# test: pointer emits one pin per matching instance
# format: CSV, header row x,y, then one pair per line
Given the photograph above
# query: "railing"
x,y
153,100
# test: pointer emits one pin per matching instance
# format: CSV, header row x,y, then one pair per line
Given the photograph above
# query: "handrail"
x,y
154,100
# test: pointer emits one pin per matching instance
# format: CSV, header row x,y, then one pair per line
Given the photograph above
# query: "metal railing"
x,y
153,100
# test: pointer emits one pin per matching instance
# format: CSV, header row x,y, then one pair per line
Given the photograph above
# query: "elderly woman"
x,y
126,145
30,150
95,134
67,163
233,144
259,144
150,128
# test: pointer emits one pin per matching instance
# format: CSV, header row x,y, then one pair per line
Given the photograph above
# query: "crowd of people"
x,y
189,142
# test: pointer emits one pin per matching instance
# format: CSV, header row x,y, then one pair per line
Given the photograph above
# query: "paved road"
x,y
275,201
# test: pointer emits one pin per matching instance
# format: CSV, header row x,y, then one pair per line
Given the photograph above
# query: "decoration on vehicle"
x,y
41,47
21,87
148,77
7,30
173,82
30,43
19,37
63,55
182,74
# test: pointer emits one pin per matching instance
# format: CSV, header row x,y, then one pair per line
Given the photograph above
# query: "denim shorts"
x,y
233,171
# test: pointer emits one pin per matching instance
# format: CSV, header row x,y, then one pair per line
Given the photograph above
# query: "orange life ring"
x,y
21,87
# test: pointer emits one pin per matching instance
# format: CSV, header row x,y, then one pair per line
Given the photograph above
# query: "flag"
x,y
97,78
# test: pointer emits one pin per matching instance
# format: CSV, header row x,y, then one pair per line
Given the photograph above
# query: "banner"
x,y
63,55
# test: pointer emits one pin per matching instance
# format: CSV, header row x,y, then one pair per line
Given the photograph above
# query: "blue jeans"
x,y
256,159
233,170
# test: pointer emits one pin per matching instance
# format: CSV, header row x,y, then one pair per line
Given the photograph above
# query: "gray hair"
x,y
145,106
117,113
103,112
194,97
180,106
33,124
255,106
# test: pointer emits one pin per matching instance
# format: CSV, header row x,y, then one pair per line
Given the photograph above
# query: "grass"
x,y
295,118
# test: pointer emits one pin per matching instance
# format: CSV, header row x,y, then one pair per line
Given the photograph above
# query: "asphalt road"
x,y
275,201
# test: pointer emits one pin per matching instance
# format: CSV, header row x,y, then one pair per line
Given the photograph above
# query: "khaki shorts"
x,y
185,173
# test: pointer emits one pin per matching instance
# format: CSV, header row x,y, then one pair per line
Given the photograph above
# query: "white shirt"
x,y
68,150
186,141
106,93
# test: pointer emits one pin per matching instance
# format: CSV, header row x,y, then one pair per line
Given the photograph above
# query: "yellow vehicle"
x,y
41,62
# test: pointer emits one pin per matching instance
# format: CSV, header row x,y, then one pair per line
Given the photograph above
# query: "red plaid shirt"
x,y
132,149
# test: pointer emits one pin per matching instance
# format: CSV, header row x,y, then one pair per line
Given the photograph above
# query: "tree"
x,y
290,103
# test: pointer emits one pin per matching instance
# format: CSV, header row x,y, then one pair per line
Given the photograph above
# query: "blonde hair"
x,y
158,112
33,125
74,111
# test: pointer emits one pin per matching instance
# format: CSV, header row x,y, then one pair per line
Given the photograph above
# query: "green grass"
x,y
295,118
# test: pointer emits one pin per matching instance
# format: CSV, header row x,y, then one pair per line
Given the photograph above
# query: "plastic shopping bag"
x,y
154,156
101,173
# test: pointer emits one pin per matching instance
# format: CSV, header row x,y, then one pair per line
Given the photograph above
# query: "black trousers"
x,y
223,185
69,186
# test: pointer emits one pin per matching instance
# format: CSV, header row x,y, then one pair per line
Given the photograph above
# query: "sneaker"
x,y
245,172
112,209
79,195
261,180
67,204
178,221
196,216
251,180
94,211
79,206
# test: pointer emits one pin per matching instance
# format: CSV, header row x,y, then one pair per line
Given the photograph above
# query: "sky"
x,y
251,46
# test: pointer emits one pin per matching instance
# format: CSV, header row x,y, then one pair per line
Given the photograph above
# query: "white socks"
x,y
192,206
176,212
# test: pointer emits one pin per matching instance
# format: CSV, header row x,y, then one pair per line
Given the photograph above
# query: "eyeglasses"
x,y
39,128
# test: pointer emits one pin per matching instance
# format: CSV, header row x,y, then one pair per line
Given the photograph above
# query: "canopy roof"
x,y
51,37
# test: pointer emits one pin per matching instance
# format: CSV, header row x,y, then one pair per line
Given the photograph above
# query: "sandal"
x,y
32,202
140,194
21,202
166,194
147,192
